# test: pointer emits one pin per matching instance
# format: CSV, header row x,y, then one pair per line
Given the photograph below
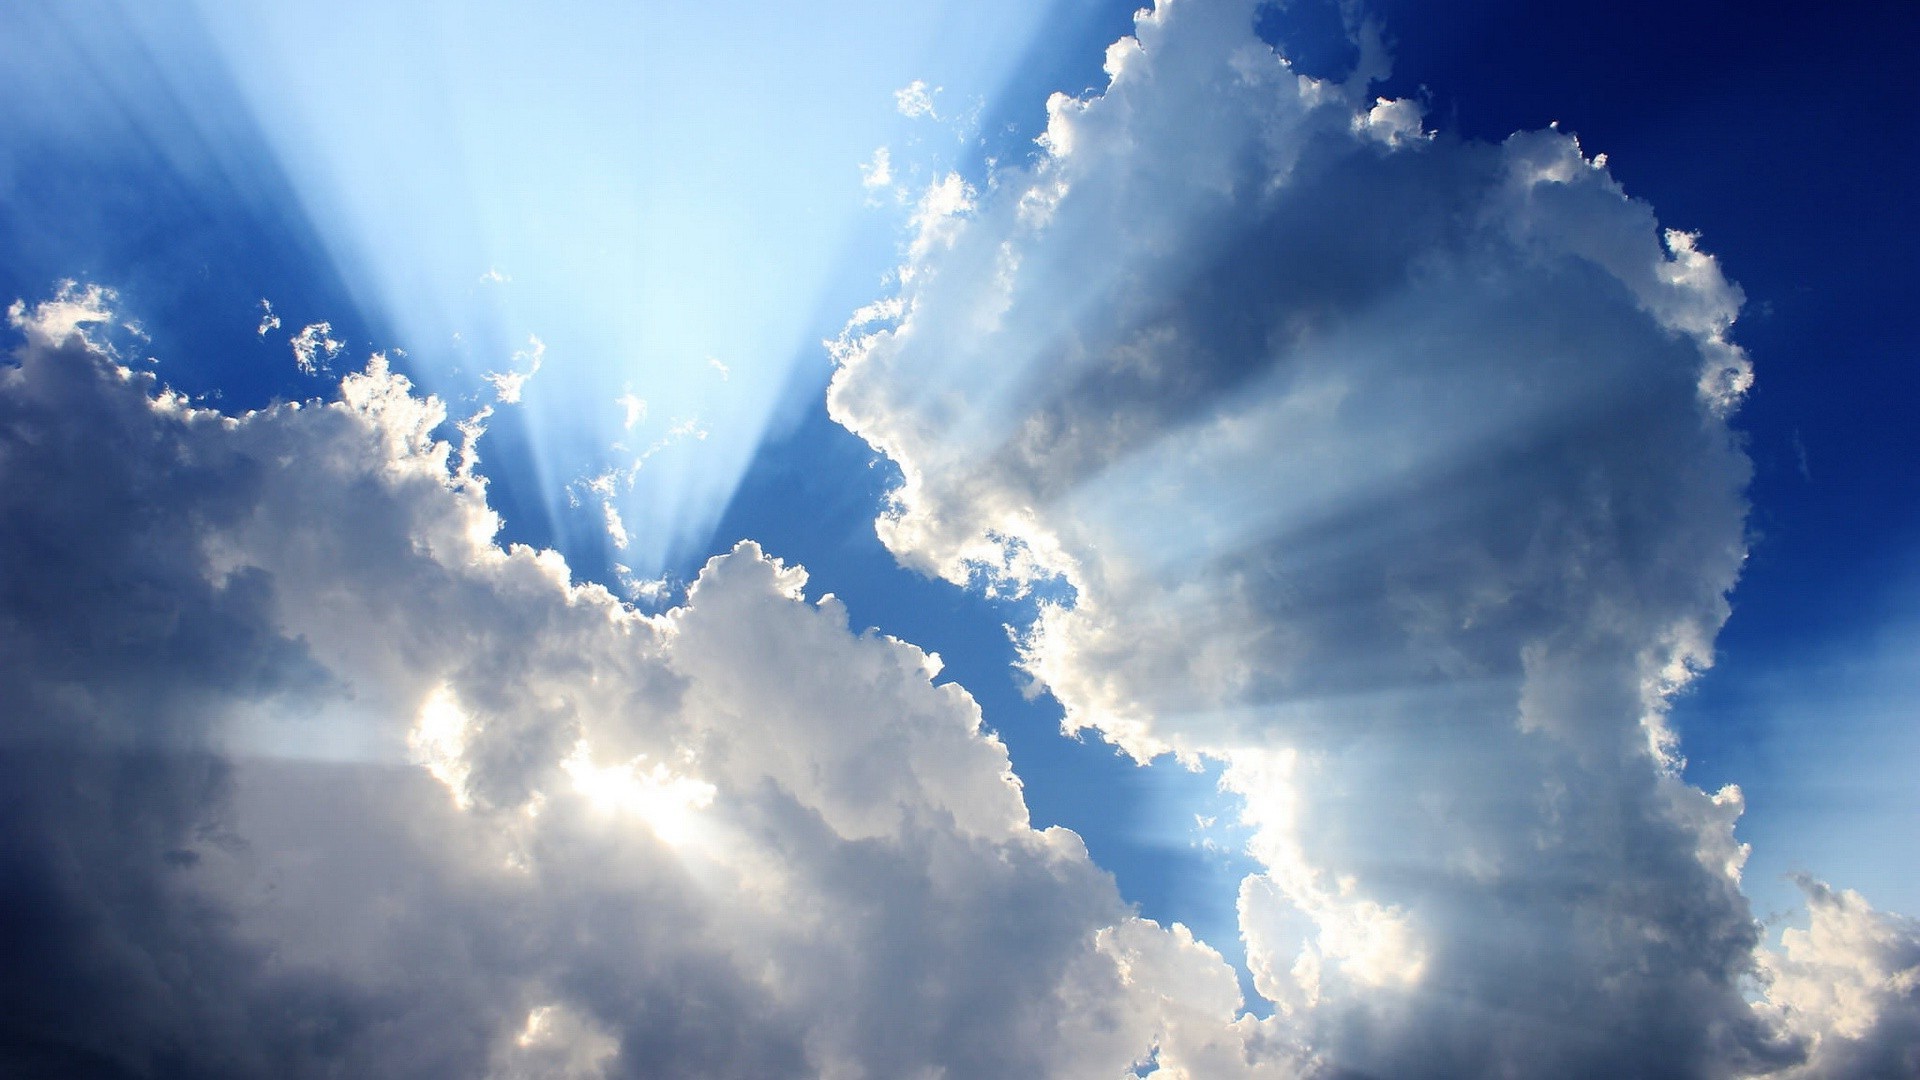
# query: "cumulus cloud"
x,y
1849,984
1392,470
305,775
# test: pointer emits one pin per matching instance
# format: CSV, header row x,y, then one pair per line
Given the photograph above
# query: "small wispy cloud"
x,y
633,408
509,385
877,172
690,428
616,526
915,100
651,592
313,347
269,322
606,487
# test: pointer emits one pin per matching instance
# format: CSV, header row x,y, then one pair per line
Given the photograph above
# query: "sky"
x,y
1233,539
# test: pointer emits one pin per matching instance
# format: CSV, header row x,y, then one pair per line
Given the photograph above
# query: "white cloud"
x,y
915,100
616,525
1401,460
937,217
877,173
509,385
269,322
651,593
667,803
438,741
633,409
1849,984
313,347
1392,121
558,1043
73,309
570,838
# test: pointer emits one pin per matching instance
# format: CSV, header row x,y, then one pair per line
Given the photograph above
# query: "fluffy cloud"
x,y
305,775
1849,983
1392,470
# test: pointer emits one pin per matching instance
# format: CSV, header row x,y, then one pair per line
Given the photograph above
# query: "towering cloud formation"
x,y
1393,471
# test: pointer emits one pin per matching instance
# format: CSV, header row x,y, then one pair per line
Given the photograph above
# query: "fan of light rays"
x,y
631,224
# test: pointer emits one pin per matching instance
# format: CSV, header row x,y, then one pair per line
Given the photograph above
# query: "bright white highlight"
x,y
557,1043
666,802
438,743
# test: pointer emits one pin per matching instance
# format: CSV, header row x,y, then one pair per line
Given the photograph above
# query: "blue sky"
x,y
1339,426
